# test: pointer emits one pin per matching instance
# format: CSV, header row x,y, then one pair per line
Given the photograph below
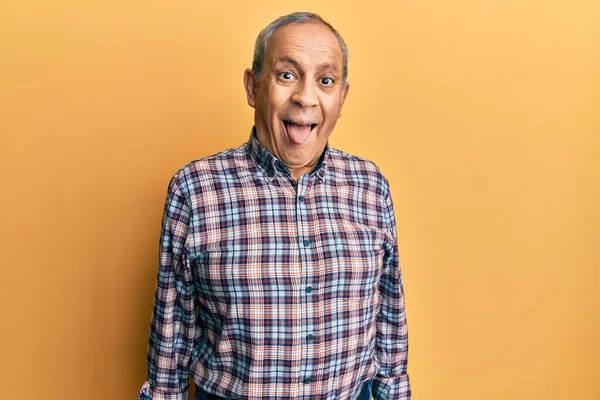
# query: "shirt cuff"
x,y
149,393
396,388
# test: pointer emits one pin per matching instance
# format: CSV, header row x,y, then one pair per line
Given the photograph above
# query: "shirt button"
x,y
307,381
301,199
306,243
309,289
310,338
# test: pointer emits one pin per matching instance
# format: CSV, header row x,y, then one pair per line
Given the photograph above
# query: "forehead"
x,y
309,42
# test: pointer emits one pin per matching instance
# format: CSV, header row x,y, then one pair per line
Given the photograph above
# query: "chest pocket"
x,y
244,271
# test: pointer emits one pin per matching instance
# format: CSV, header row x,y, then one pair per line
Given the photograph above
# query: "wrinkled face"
x,y
300,94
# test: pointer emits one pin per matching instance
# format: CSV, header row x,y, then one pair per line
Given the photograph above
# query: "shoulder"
x,y
357,171
197,174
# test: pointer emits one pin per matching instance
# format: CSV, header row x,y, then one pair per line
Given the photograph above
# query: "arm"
x,y
173,318
392,335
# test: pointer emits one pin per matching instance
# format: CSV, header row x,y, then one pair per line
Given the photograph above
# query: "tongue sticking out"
x,y
298,133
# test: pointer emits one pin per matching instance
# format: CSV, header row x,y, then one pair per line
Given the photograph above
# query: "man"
x,y
279,274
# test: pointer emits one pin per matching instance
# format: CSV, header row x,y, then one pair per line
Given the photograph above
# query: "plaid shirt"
x,y
270,288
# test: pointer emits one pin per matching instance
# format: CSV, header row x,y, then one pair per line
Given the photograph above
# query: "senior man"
x,y
279,275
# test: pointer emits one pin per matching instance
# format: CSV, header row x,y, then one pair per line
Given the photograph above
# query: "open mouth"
x,y
298,132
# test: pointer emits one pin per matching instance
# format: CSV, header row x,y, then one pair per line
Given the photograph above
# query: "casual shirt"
x,y
270,288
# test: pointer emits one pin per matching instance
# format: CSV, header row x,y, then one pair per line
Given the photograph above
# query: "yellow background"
x,y
484,115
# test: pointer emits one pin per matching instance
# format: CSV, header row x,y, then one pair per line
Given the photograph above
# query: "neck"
x,y
298,172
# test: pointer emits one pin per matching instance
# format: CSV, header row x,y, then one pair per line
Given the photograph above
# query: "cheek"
x,y
277,98
331,109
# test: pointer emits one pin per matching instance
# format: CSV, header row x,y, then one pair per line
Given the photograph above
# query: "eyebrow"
x,y
327,65
289,60
296,64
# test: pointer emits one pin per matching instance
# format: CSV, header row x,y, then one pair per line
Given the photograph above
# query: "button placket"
x,y
305,236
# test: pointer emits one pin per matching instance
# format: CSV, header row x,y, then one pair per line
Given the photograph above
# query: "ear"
x,y
250,86
345,91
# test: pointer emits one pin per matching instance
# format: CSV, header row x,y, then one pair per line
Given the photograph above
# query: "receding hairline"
x,y
292,60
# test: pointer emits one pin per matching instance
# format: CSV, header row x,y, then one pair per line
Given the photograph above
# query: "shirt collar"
x,y
271,166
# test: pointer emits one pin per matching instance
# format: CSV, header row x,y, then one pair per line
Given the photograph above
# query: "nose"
x,y
305,94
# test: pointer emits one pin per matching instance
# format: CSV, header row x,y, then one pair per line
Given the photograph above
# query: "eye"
x,y
286,76
327,81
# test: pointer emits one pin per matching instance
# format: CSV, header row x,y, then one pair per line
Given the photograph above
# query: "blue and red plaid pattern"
x,y
365,394
270,288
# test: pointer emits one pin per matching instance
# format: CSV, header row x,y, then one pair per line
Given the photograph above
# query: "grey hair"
x,y
262,41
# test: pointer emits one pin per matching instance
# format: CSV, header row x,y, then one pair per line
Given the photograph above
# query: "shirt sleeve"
x,y
173,318
392,380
